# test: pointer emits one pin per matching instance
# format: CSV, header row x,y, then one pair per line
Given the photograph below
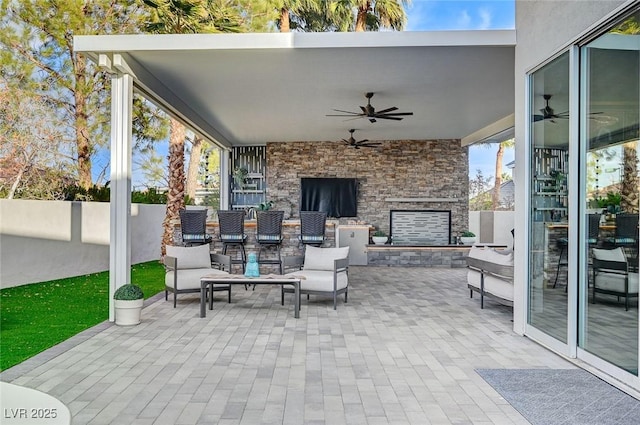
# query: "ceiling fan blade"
x,y
384,111
394,114
369,145
537,118
344,112
386,117
363,141
364,110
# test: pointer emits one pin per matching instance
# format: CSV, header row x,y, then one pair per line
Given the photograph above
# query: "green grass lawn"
x,y
38,316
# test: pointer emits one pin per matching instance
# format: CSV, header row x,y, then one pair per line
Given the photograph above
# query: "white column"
x,y
120,234
225,196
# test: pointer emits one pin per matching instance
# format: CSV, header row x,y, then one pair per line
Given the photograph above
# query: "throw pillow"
x,y
191,257
322,258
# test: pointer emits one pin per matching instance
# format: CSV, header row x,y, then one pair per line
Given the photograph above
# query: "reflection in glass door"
x,y
610,68
549,159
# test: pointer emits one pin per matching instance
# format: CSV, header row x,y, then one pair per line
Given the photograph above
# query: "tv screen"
x,y
337,197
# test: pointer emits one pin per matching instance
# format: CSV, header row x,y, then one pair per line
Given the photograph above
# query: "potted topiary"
x,y
468,238
379,237
128,301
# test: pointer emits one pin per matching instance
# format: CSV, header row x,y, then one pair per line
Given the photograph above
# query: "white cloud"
x,y
485,19
464,19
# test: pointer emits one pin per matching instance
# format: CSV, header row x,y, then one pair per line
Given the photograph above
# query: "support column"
x,y
121,152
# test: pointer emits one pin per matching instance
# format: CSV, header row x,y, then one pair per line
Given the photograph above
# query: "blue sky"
x,y
427,15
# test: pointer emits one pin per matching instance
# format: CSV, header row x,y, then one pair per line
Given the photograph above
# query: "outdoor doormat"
x,y
563,396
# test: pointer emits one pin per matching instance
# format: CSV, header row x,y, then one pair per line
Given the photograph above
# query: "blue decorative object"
x,y
252,269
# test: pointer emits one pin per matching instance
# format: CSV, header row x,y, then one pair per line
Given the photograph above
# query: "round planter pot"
x,y
379,240
128,312
466,240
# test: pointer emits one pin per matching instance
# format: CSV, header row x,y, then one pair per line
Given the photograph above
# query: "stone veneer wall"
x,y
396,169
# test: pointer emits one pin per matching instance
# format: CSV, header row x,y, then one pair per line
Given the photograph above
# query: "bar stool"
x,y
231,226
593,231
312,227
193,225
269,234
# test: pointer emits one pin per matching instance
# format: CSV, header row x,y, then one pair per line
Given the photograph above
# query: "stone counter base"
x,y
444,256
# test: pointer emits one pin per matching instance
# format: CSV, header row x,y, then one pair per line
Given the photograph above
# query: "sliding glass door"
x,y
548,215
610,115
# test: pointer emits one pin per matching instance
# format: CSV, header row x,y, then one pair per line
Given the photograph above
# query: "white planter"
x,y
379,240
468,240
128,312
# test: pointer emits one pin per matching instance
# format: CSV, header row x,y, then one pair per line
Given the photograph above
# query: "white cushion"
x,y
190,278
615,282
503,258
492,285
610,254
323,258
190,257
320,280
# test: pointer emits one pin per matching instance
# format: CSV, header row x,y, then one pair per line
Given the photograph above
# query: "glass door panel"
x,y
608,326
549,159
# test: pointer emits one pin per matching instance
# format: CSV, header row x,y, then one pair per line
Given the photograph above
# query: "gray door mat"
x,y
563,396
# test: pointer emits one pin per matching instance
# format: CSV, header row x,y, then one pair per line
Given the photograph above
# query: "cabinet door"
x,y
356,238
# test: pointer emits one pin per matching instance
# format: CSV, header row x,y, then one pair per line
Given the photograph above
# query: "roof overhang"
x,y
249,89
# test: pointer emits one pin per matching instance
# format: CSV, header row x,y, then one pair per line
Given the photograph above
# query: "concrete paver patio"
x,y
403,350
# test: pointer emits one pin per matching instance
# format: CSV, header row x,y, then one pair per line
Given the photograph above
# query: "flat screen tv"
x,y
337,197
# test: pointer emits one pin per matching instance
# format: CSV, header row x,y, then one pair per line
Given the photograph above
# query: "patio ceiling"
x,y
249,89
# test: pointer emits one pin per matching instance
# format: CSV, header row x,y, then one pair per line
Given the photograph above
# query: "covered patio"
x,y
403,350
277,90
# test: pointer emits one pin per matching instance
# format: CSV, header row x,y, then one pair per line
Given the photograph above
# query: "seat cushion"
x,y
190,257
320,280
189,279
615,282
323,258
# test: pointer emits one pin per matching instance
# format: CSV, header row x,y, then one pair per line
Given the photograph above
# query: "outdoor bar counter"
x,y
290,244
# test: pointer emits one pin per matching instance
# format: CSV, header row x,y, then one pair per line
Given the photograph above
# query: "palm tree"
x,y
373,14
184,17
630,180
495,198
287,7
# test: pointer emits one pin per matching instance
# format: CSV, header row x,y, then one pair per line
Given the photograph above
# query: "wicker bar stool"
x,y
269,234
231,226
312,227
193,225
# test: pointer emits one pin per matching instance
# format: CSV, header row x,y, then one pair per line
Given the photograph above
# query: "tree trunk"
x,y
194,167
284,20
630,180
83,144
361,17
498,178
175,196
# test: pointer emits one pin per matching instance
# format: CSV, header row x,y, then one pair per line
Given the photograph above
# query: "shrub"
x,y
379,233
468,234
128,292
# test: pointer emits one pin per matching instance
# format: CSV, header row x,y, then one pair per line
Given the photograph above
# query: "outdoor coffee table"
x,y
237,279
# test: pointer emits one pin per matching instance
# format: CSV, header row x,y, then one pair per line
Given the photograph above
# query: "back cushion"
x,y
503,258
322,258
191,257
609,254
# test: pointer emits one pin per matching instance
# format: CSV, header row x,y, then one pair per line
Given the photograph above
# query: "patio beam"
x,y
121,153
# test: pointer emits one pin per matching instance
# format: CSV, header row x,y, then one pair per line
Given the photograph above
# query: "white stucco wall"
x,y
492,226
543,28
45,240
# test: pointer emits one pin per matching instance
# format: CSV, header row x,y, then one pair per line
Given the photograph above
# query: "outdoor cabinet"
x,y
356,238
